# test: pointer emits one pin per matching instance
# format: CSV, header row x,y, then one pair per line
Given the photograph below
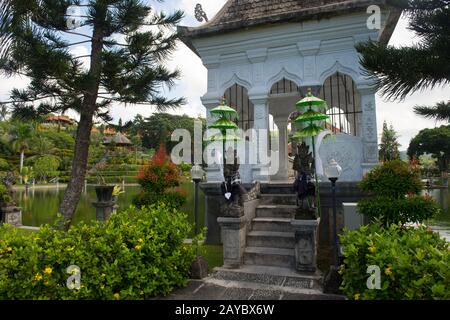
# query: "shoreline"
x,y
63,186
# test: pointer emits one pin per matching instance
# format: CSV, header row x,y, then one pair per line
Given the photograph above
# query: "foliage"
x,y
399,210
4,165
413,263
157,179
400,71
27,173
5,196
439,112
157,129
46,167
389,144
159,174
392,179
174,199
137,254
127,64
396,187
434,141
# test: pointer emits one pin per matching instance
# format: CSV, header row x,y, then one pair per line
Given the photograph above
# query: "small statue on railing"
x,y
200,15
303,185
232,188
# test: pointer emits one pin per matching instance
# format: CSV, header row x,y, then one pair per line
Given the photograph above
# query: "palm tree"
x,y
20,135
439,112
3,112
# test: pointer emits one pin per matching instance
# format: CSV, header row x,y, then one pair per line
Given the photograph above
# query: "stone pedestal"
x,y
305,244
233,233
11,215
104,209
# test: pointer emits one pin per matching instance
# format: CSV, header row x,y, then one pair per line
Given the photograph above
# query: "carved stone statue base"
x,y
11,215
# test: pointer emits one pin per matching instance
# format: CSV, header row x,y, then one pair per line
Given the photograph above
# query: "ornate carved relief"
x,y
371,152
347,151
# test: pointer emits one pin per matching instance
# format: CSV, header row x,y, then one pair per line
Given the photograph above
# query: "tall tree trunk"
x,y
79,165
22,156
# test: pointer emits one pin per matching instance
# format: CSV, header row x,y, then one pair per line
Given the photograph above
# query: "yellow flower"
x,y
372,249
141,240
48,270
357,296
388,271
37,277
8,249
116,296
138,247
341,269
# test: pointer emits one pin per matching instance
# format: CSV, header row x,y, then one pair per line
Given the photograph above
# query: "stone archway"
x,y
282,98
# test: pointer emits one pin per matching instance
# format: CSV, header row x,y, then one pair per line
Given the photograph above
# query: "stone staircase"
x,y
269,256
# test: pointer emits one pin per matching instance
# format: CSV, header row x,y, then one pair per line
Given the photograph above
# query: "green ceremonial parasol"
x,y
224,111
225,124
312,129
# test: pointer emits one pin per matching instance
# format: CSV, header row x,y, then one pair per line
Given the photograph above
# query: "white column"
x,y
282,150
369,128
260,140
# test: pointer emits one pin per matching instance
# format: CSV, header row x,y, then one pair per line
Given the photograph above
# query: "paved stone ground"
x,y
214,289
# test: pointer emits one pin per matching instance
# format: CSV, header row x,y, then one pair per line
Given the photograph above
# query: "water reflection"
x,y
40,206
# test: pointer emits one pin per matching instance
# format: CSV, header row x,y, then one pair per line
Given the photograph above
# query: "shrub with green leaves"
x,y
137,254
5,196
4,165
158,180
414,263
395,188
392,179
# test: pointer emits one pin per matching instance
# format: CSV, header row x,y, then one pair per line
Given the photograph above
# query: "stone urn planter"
x,y
105,204
11,214
104,193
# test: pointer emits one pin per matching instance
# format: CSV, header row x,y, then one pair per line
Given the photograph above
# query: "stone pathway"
x,y
215,289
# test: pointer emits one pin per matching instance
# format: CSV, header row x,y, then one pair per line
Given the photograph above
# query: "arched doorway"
x,y
282,98
340,93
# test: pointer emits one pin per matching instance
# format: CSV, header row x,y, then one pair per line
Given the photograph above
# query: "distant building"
x,y
60,121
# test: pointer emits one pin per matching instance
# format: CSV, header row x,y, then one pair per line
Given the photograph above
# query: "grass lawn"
x,y
213,254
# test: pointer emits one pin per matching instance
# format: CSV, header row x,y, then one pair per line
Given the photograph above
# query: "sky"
x,y
192,84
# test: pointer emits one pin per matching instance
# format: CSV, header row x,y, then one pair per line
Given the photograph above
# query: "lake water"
x,y
40,206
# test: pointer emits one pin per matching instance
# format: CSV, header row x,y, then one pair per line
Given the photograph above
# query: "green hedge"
x,y
403,210
414,263
137,254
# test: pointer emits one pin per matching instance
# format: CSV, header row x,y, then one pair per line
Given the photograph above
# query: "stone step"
x,y
271,239
277,187
278,211
272,224
268,256
271,199
285,279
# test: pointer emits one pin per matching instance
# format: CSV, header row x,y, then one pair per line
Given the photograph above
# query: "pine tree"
x,y
389,144
129,42
439,112
400,71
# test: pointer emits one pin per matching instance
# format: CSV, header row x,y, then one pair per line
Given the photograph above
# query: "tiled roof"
x,y
238,14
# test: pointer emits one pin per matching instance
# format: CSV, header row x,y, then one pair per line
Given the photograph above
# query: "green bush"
x,y
414,263
396,187
403,210
174,199
137,254
4,165
5,197
392,179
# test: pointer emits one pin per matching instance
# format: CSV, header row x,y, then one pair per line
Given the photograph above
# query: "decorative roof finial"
x,y
200,15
